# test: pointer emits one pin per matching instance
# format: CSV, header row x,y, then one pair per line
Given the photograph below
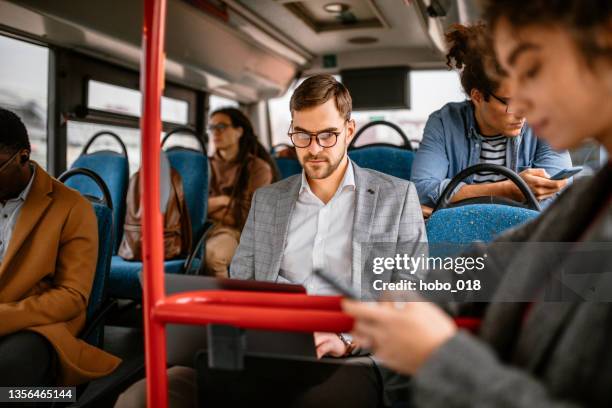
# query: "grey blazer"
x,y
557,355
387,209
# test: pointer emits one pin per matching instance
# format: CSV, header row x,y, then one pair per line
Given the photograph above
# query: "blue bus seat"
x,y
114,170
288,167
192,165
98,305
394,161
469,223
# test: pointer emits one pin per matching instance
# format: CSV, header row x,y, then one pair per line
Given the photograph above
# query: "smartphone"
x,y
345,290
567,173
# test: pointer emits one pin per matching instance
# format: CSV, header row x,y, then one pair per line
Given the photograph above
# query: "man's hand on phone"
x,y
539,182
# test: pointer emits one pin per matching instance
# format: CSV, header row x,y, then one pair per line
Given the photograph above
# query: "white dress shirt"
x,y
320,236
9,213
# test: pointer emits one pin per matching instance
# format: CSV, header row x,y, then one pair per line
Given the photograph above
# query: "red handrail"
x,y
152,80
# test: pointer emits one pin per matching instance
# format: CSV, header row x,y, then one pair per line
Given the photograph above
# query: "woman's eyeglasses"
x,y
220,127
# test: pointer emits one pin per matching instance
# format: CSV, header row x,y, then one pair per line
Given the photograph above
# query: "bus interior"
x,y
73,70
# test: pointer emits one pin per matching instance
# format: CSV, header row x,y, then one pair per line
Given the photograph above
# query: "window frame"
x,y
69,75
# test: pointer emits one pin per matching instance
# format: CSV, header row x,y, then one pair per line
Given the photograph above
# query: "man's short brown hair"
x,y
317,90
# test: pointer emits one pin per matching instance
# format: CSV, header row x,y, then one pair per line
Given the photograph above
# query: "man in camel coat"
x,y
48,253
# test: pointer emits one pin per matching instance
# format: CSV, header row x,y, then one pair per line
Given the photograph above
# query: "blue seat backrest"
x,y
192,165
393,161
288,167
476,222
113,168
98,290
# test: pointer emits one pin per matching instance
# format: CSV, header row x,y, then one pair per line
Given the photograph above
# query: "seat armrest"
x,y
198,248
98,319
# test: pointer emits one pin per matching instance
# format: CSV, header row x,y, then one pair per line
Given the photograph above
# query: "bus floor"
x,y
124,338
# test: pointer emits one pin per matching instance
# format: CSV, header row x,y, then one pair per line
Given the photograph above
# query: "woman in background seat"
x,y
239,166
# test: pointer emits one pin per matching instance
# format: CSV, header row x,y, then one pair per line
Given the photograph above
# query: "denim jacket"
x,y
451,143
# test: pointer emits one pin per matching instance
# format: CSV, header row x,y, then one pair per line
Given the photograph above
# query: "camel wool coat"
x,y
47,273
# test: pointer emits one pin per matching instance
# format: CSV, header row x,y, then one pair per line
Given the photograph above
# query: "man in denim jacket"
x,y
452,143
484,129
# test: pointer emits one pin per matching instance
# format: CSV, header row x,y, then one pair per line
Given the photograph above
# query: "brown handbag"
x,y
177,226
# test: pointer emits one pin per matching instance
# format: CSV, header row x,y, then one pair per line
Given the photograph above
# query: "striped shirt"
x,y
493,151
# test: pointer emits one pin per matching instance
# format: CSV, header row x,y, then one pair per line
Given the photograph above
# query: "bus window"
x,y
216,102
78,133
126,101
429,91
23,89
115,99
280,117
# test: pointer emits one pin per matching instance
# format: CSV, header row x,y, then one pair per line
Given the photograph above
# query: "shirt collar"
x,y
347,181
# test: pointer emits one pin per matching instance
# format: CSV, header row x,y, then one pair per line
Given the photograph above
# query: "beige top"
x,y
224,177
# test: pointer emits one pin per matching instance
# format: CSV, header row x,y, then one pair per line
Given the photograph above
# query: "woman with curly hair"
x,y
543,341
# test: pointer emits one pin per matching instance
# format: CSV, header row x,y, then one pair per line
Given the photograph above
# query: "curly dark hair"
x,y
584,19
248,146
13,133
471,53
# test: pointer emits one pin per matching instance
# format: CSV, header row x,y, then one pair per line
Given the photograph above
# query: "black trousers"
x,y
290,383
26,359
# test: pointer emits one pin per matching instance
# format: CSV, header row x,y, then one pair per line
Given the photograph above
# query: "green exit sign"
x,y
330,61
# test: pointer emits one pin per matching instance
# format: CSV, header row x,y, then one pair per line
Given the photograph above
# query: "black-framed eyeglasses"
x,y
504,101
220,127
6,163
325,139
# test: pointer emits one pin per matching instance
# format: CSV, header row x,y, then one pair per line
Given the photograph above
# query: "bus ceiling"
x,y
248,50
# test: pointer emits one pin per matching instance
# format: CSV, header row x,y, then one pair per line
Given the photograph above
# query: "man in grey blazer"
x,y
327,216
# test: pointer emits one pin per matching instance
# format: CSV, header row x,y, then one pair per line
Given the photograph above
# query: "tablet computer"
x,y
183,341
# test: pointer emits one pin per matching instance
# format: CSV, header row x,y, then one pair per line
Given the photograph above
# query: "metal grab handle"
x,y
105,133
184,129
444,200
79,171
392,125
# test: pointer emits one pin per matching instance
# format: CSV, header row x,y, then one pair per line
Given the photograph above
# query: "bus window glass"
x,y
216,102
126,101
429,91
280,116
23,89
182,140
80,132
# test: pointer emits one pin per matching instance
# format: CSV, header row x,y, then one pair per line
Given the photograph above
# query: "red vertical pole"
x,y
151,85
